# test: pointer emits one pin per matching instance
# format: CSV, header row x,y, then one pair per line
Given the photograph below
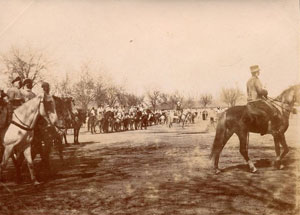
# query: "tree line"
x,y
96,90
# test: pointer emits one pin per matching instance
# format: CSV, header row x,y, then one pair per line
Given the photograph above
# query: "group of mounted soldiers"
x,y
110,119
21,92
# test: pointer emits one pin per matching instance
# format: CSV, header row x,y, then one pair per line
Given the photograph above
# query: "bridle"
x,y
26,127
21,124
282,105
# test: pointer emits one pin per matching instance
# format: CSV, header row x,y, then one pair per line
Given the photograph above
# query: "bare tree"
x,y
121,96
27,63
189,102
100,91
231,95
63,87
84,88
133,100
174,98
111,97
205,100
154,98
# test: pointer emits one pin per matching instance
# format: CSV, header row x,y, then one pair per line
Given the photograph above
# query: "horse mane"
x,y
26,106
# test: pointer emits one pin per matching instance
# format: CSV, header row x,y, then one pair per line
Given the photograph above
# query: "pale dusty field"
x,y
159,171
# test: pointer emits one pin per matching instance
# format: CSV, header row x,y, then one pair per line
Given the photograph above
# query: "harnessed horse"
x,y
18,135
46,137
234,120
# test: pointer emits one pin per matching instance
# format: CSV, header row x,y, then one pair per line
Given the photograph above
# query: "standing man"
x,y
257,104
27,90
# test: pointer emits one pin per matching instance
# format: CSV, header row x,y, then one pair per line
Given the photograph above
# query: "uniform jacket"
x,y
14,93
255,90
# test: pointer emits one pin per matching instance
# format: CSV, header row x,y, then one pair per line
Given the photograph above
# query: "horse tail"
x,y
220,134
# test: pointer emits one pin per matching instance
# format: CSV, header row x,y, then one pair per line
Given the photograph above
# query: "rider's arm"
x,y
10,94
259,88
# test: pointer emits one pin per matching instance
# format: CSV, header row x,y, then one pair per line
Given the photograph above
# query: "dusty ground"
x,y
158,171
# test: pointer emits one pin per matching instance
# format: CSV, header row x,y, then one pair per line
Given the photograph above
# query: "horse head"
x,y
290,96
64,111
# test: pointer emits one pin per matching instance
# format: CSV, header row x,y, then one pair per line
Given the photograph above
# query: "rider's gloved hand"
x,y
264,93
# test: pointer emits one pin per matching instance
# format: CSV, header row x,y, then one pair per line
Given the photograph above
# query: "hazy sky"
x,y
189,46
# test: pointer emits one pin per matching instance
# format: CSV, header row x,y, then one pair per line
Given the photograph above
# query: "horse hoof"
x,y
253,170
36,183
278,166
217,171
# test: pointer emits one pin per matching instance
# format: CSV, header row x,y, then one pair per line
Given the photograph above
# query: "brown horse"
x,y
235,120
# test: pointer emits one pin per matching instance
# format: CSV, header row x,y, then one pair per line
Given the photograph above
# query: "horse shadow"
x,y
262,163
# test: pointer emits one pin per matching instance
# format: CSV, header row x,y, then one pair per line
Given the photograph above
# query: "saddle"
x,y
261,116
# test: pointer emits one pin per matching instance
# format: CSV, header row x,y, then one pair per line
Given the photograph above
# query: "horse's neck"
x,y
27,113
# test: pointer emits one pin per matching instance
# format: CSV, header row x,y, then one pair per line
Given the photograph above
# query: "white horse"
x,y
19,133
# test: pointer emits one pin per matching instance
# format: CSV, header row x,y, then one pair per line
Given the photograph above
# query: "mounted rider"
x,y
179,109
27,90
257,103
14,94
15,97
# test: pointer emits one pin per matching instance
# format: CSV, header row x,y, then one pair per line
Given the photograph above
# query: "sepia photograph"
x,y
149,107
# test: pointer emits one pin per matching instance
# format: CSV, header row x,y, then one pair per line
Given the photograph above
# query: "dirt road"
x,y
158,171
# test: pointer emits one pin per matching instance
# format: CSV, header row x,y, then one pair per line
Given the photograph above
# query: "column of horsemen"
x,y
106,119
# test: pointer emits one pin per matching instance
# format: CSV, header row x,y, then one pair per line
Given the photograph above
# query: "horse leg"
x,y
220,141
285,147
59,147
27,155
76,132
45,153
6,155
280,139
244,141
18,161
65,137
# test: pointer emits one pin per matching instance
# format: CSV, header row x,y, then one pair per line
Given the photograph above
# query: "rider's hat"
x,y
45,84
18,78
254,68
27,81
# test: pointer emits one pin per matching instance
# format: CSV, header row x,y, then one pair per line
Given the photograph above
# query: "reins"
x,y
273,101
23,125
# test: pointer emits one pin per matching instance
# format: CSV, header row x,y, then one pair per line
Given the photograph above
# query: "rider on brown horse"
x,y
258,105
